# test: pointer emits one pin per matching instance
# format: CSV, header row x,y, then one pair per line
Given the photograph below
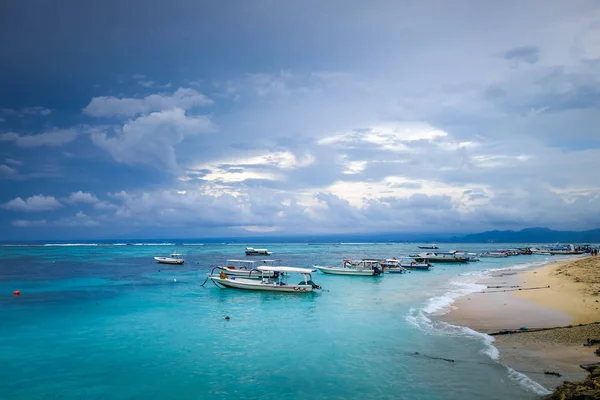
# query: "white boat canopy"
x,y
286,269
241,261
176,255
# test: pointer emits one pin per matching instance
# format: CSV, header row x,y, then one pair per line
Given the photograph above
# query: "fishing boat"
x,y
272,279
354,268
524,251
392,266
568,249
428,247
242,268
175,259
397,265
473,257
451,257
493,254
251,251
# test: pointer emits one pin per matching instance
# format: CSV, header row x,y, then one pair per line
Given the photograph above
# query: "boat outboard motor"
x,y
377,271
314,285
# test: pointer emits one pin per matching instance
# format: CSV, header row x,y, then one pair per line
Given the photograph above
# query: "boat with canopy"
x,y
354,268
272,279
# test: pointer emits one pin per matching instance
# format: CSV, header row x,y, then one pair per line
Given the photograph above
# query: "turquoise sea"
x,y
107,322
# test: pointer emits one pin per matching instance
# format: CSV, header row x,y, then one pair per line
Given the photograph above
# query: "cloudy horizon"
x,y
201,119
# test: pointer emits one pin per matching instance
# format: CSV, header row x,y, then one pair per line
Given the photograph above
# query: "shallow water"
x,y
107,322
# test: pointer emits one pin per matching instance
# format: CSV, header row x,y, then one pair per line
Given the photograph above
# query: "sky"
x,y
225,119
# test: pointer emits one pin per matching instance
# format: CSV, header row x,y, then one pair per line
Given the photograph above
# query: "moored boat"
x,y
402,265
493,254
272,279
174,259
451,257
251,251
358,268
428,247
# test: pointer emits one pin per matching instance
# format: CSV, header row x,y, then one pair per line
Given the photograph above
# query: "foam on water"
x,y
465,284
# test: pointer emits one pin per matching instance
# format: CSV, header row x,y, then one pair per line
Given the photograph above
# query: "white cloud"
x,y
53,138
32,204
108,106
89,198
27,111
268,166
5,170
24,223
12,161
79,220
151,139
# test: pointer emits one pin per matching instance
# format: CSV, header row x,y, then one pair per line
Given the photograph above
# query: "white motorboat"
x,y
358,268
565,250
493,254
394,266
243,268
273,279
251,251
428,247
451,257
176,259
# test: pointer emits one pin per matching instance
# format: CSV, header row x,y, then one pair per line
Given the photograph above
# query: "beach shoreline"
x,y
556,294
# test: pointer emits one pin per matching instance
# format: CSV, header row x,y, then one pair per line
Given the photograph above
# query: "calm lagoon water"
x,y
107,322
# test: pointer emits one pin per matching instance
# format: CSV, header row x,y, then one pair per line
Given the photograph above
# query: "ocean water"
x,y
107,322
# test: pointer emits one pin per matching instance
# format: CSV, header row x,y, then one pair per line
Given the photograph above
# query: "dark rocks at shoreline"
x,y
589,389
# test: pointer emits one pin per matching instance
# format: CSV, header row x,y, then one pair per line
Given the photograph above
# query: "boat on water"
x,y
473,257
525,251
251,251
394,266
272,279
242,268
493,254
354,268
450,257
174,259
428,247
568,249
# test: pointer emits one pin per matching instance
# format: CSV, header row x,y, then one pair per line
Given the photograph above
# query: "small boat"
x,y
358,268
524,251
493,254
396,266
451,257
272,279
428,247
176,259
565,250
251,251
242,268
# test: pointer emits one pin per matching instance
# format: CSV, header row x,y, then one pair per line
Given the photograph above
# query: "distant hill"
x,y
532,235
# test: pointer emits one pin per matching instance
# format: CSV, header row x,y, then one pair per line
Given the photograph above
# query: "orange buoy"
x,y
17,292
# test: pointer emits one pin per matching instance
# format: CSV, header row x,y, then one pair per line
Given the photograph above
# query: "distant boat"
x,y
176,259
273,279
493,254
565,250
428,247
451,257
394,266
251,251
358,268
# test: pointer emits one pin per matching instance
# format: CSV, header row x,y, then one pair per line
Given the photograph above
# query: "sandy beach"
x,y
556,294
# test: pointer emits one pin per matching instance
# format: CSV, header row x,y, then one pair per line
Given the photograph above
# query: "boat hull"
x,y
249,284
442,260
162,260
346,271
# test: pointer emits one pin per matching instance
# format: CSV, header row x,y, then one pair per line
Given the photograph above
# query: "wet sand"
x,y
566,293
